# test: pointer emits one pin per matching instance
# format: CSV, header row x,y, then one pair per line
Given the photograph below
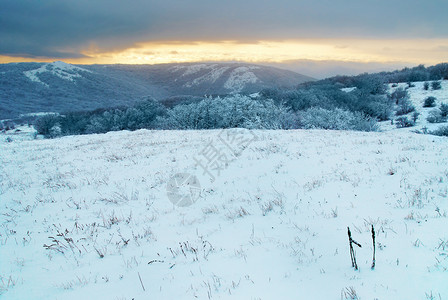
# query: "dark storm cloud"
x,y
52,27
62,28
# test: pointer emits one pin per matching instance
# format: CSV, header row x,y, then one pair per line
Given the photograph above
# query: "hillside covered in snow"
x,y
93,216
417,96
60,87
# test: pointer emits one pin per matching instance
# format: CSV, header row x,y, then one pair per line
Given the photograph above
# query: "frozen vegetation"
x,y
88,217
417,95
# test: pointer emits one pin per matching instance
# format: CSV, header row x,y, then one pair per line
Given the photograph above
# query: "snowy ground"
x,y
88,217
417,96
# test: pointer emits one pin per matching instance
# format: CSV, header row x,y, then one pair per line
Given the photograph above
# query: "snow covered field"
x,y
88,217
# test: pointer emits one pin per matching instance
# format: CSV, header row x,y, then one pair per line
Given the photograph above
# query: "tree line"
x,y
322,104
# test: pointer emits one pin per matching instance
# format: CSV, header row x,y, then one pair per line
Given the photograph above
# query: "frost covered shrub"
x,y
337,119
170,102
376,106
444,110
439,71
298,100
44,124
302,98
74,123
185,116
140,115
436,85
415,116
426,86
367,97
398,95
373,84
10,126
230,112
404,105
404,108
435,116
143,114
112,120
430,102
441,131
402,122
55,131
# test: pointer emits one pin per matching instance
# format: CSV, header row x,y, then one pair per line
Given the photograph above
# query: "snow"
x,y
239,78
254,95
38,114
348,90
191,69
273,225
58,68
210,77
417,96
19,133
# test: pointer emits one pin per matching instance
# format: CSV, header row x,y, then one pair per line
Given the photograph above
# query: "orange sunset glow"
x,y
411,50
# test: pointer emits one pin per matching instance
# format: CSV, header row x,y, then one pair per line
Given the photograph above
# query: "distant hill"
x,y
57,87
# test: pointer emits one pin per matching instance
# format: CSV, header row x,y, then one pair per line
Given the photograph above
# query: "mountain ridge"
x,y
57,87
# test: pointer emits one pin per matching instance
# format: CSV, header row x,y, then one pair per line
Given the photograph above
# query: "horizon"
x,y
347,36
313,69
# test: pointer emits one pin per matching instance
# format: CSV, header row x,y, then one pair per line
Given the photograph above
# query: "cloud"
x,y
442,48
328,68
62,28
341,46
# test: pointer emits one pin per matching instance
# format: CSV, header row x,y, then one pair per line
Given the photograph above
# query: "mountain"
x,y
57,87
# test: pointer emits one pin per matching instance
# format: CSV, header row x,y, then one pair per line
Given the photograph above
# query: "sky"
x,y
282,32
